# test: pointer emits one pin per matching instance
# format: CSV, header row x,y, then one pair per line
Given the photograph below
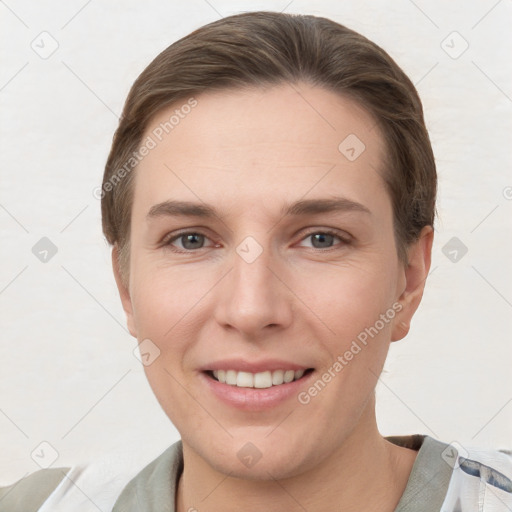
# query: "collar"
x,y
154,488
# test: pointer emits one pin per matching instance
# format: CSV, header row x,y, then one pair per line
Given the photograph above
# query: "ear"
x,y
124,292
414,276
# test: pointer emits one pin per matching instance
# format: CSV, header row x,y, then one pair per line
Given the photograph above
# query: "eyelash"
x,y
166,243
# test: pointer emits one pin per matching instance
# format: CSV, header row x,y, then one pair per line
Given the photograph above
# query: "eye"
x,y
190,240
323,239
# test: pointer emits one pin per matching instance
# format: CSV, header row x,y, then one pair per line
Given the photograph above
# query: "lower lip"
x,y
253,399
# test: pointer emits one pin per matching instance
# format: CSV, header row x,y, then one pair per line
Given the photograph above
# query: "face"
x,y
288,263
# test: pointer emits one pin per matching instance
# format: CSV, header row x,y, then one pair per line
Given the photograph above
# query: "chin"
x,y
258,457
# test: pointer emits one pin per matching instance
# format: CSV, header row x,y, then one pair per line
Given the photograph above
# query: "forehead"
x,y
245,145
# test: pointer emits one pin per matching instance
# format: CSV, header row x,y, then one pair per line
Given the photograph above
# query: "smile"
x,y
258,380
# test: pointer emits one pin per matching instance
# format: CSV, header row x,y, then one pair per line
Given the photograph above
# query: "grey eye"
x,y
192,240
321,240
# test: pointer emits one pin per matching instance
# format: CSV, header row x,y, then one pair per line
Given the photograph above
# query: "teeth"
x,y
257,380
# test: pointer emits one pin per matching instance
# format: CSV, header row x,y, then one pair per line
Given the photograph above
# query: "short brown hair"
x,y
266,48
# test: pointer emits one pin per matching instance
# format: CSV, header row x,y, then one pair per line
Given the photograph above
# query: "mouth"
x,y
256,392
260,380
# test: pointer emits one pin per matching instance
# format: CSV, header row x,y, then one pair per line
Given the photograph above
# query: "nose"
x,y
254,296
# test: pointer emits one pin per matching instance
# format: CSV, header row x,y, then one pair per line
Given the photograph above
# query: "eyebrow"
x,y
171,208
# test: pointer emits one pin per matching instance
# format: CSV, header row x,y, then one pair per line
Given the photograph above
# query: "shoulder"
x,y
478,478
90,486
449,477
481,477
154,487
31,491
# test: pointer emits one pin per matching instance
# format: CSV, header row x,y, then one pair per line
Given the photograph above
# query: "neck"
x,y
365,472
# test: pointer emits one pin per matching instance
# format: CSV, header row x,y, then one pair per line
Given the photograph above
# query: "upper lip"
x,y
242,365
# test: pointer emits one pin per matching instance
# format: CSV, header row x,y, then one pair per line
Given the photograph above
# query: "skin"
x,y
247,152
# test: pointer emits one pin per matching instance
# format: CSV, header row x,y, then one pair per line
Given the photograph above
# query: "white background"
x,y
68,375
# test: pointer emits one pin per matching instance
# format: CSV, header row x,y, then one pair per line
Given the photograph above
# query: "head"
x,y
266,121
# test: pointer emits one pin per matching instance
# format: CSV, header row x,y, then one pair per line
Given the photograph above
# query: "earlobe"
x,y
124,292
415,273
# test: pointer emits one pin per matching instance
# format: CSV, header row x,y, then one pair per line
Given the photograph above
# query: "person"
x,y
270,200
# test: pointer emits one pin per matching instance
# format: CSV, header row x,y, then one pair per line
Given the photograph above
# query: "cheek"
x,y
165,311
348,299
355,331
355,308
165,300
